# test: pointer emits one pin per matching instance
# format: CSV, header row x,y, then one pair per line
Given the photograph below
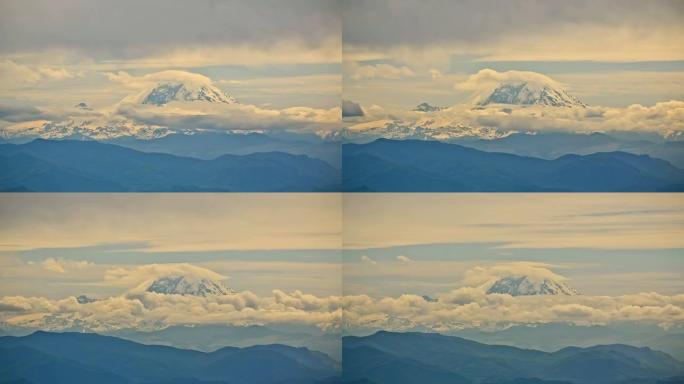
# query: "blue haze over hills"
x,y
387,357
261,163
383,357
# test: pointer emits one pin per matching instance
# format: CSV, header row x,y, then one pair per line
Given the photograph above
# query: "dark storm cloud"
x,y
379,23
132,28
19,113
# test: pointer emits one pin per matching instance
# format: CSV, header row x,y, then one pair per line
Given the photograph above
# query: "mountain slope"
x,y
182,285
531,93
481,363
178,91
526,286
74,166
120,361
209,145
428,166
555,144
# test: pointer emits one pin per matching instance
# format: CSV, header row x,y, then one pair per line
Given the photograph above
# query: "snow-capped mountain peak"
x,y
526,286
183,285
165,93
530,93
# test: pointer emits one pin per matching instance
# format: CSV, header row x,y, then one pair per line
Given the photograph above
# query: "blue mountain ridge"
x,y
429,166
380,166
89,166
388,357
45,357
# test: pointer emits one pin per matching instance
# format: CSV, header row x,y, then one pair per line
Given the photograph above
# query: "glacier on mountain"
x,y
183,285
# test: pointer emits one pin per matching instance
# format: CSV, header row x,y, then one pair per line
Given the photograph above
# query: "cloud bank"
x,y
230,32
130,117
468,119
468,306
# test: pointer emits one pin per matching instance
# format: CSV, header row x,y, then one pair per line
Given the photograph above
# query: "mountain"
x,y
430,166
552,145
531,93
83,166
425,107
526,286
165,93
387,357
182,285
427,128
351,109
211,337
83,299
553,336
44,357
209,145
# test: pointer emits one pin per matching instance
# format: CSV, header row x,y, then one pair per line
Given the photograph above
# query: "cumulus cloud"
x,y
435,73
61,265
147,311
404,259
13,74
469,119
131,117
470,307
462,307
367,259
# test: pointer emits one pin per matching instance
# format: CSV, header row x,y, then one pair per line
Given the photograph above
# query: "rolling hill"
x,y
430,166
44,357
387,357
89,166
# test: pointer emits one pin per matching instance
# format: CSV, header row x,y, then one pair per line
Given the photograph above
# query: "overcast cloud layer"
x,y
96,28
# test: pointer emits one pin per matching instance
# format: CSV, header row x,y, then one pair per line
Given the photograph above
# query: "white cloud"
x,y
60,265
146,311
13,74
435,74
464,307
404,259
145,274
152,79
131,117
664,118
470,307
367,259
481,276
372,71
485,78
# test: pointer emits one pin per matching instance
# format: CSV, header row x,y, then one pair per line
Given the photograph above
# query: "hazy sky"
x,y
291,257
265,53
260,242
609,53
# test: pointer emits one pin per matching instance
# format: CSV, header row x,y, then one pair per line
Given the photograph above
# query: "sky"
x,y
404,52
621,252
623,59
271,56
289,64
330,260
279,253
398,244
